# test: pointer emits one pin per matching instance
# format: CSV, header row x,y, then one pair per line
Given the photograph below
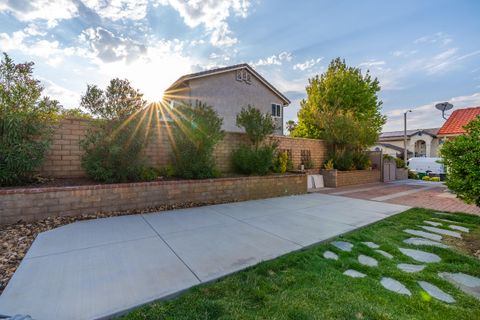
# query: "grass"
x,y
304,285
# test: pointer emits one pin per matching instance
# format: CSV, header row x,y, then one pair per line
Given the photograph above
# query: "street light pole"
x,y
405,136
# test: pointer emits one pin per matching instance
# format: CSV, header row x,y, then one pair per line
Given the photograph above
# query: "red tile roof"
x,y
458,119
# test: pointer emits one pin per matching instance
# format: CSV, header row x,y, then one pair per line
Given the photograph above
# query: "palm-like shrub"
x,y
27,121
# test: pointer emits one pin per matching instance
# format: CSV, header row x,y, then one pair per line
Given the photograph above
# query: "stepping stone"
x,y
436,292
343,245
420,256
443,231
443,214
330,255
367,261
459,228
444,220
432,223
424,234
371,245
354,274
467,283
425,242
410,268
395,286
385,254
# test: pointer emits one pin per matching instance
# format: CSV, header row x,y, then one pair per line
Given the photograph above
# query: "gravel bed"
x,y
16,239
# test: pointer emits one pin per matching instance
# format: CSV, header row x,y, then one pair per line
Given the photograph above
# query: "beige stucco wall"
x,y
227,96
432,145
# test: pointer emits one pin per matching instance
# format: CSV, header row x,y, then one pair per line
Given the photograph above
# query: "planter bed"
x,y
335,178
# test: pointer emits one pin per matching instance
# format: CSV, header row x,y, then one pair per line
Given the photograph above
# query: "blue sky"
x,y
422,52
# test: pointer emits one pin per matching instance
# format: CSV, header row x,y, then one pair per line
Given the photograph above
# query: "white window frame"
x,y
278,110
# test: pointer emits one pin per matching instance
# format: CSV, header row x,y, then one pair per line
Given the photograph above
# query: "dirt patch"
x,y
16,239
470,244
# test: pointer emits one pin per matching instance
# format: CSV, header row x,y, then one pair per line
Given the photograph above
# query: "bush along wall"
x,y
256,157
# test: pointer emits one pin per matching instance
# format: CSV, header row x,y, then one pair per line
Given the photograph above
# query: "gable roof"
x,y
458,119
393,135
212,72
394,147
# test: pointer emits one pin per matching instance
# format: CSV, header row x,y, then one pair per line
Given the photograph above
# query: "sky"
x,y
422,52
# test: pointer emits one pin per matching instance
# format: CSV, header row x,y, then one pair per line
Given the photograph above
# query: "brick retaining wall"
x,y
34,204
335,178
63,159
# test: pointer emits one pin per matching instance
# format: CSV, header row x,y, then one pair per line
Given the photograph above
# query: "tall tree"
x,y
26,122
342,107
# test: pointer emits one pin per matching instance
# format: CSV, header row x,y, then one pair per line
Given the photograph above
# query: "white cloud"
x,y
213,14
437,38
66,97
274,60
371,63
51,11
447,60
308,64
118,9
404,53
49,50
426,116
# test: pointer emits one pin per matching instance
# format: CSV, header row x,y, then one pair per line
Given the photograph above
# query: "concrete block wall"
x,y
335,178
35,204
63,160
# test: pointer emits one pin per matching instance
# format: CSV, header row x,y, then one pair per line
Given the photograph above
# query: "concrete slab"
x,y
215,251
98,268
186,219
95,282
90,233
302,229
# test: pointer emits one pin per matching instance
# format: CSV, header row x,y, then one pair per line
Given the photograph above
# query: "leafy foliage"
x,y
27,121
197,130
250,160
343,109
256,158
257,125
75,113
462,159
281,162
400,163
113,146
290,125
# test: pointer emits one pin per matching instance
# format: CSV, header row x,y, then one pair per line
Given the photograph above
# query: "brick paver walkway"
x,y
427,196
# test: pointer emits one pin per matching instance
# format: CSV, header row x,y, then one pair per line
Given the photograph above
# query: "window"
x,y
276,110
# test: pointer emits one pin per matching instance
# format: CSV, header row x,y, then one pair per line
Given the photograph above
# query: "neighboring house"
x,y
420,143
458,119
227,90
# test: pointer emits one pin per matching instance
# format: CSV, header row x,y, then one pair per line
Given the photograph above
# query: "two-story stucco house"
x,y
227,90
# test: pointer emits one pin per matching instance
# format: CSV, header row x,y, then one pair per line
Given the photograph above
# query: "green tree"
x,y
256,124
290,125
341,99
461,156
258,157
197,129
27,121
113,146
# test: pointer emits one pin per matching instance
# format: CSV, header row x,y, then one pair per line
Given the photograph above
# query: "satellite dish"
x,y
444,106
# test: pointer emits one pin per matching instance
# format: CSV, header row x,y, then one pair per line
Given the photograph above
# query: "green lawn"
x,y
304,285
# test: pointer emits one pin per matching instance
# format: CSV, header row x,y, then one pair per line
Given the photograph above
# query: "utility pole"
x,y
405,152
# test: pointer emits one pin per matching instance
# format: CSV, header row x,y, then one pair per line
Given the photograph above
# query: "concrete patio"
x,y
99,268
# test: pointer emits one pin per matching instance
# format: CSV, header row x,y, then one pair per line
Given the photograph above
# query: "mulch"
x,y
16,239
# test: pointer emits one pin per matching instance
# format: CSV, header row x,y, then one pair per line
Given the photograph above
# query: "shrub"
x,y
196,131
256,158
27,122
462,159
426,178
149,173
306,159
361,161
412,175
400,163
343,162
435,179
113,146
281,162
167,171
248,160
329,165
